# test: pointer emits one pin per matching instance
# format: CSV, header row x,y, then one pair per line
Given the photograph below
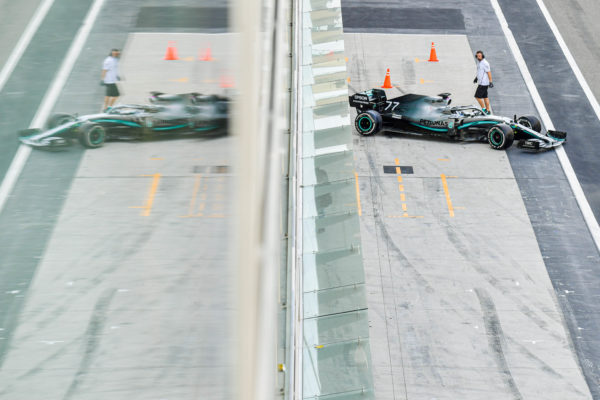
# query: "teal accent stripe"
x,y
55,133
531,134
429,128
206,128
116,121
477,123
166,128
67,128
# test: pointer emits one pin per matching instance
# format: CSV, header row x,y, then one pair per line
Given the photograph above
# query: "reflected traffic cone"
x,y
432,54
387,83
207,55
226,82
171,53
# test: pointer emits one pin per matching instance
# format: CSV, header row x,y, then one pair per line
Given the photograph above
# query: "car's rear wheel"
x,y
368,123
500,137
531,122
58,120
92,136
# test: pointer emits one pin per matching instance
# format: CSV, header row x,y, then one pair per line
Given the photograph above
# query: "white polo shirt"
x,y
111,65
483,67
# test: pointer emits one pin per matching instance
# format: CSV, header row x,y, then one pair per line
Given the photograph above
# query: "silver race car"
x,y
167,115
433,115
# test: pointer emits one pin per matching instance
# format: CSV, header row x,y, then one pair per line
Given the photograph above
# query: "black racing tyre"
x,y
92,136
368,123
530,121
58,119
500,136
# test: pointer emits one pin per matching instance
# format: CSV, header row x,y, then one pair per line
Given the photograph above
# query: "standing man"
x,y
483,80
110,76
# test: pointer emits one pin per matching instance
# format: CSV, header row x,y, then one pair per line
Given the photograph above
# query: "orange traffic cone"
x,y
226,82
207,55
171,53
387,83
432,54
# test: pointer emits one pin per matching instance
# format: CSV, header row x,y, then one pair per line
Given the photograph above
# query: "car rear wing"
x,y
373,99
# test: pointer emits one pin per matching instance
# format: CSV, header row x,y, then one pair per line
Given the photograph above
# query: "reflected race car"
x,y
425,115
168,115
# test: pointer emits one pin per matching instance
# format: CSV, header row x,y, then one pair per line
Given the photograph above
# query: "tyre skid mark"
x,y
496,340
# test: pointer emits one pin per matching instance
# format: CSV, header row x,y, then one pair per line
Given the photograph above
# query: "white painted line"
x,y
22,154
24,40
584,206
563,46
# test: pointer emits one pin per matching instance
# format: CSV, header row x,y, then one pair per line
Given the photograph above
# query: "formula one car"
x,y
168,115
425,115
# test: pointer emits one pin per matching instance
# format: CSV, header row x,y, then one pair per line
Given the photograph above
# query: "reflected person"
x,y
110,76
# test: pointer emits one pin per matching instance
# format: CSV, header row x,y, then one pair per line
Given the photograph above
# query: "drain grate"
x,y
210,169
404,169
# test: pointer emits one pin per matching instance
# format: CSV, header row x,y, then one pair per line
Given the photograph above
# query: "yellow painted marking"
x,y
417,60
348,79
180,80
147,208
443,159
451,177
397,161
447,193
405,215
358,206
319,346
346,59
398,170
402,197
403,206
156,158
195,193
193,211
422,81
399,178
401,188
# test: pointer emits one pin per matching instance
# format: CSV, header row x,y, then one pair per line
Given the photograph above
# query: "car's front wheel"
x,y
500,136
368,123
58,120
531,122
92,136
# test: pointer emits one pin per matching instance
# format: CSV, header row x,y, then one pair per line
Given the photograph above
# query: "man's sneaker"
x,y
484,111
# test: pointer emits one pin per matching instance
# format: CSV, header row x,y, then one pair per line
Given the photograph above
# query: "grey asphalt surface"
x,y
572,262
569,254
14,17
29,220
577,21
